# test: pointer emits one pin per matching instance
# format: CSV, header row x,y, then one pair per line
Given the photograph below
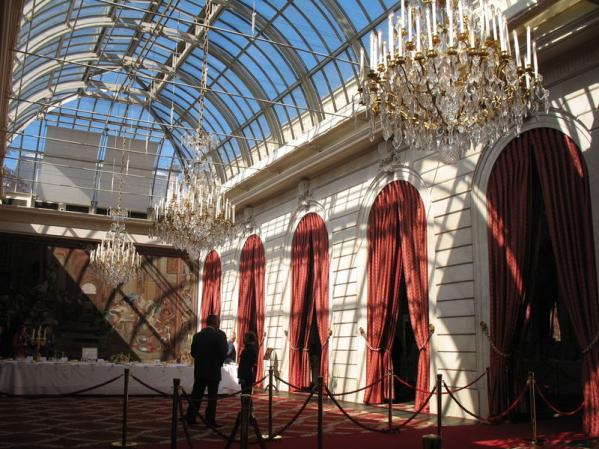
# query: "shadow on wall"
x,y
47,283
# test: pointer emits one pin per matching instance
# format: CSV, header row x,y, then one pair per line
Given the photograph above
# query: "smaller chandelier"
x,y
115,258
448,79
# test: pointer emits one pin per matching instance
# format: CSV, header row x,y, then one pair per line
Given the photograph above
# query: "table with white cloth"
x,y
34,378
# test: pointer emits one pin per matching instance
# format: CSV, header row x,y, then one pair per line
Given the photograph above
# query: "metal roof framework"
x,y
131,67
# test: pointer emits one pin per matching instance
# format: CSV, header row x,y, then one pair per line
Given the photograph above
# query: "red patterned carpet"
x,y
92,422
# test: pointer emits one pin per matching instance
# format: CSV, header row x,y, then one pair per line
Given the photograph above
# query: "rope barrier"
x,y
299,412
184,421
199,415
413,387
84,390
343,393
555,409
374,429
489,419
352,419
485,328
60,395
149,387
417,412
455,390
288,384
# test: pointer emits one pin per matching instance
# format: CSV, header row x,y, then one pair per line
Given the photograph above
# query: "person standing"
x,y
247,362
208,349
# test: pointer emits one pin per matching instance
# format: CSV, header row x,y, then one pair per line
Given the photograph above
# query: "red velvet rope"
x,y
489,418
552,407
409,385
359,389
470,384
299,412
288,384
149,387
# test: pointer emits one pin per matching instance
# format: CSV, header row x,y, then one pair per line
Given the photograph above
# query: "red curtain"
x,y
250,315
508,207
310,283
384,280
397,243
412,225
211,290
567,202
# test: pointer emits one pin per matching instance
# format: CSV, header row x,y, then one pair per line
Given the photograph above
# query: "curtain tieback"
x,y
372,348
431,331
588,347
485,330
293,348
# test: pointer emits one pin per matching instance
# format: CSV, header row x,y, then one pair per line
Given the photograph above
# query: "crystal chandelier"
x,y
196,215
448,77
115,258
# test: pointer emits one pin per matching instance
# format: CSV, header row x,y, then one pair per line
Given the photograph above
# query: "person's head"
x,y
250,338
213,321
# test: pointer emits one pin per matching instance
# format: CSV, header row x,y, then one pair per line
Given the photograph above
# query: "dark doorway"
x,y
546,344
404,351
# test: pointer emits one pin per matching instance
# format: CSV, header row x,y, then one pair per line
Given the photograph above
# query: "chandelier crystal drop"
x,y
449,77
196,215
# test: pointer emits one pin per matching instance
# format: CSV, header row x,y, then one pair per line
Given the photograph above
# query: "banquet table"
x,y
54,377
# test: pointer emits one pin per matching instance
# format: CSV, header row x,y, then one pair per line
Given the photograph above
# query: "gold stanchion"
x,y
320,415
535,442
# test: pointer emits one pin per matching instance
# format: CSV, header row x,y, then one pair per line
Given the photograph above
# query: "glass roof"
x,y
131,68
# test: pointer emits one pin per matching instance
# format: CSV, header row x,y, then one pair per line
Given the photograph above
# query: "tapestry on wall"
x,y
51,286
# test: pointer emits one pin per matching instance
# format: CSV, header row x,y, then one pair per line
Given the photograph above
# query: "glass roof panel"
x,y
261,80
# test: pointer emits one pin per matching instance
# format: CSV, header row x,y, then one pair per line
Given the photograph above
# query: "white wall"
x,y
453,196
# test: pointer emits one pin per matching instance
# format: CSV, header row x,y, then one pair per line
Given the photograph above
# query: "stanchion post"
x,y
176,384
439,404
270,385
390,398
124,442
125,407
533,406
320,413
246,401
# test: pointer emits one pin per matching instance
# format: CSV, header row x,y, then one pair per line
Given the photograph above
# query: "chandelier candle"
x,y
430,88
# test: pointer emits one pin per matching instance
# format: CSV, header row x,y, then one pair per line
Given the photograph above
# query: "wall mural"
x,y
49,285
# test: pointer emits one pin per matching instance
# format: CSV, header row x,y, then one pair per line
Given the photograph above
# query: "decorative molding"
x,y
304,194
390,158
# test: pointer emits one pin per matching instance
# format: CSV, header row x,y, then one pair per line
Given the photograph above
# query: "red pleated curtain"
x,y
250,315
397,243
508,207
567,202
309,292
211,290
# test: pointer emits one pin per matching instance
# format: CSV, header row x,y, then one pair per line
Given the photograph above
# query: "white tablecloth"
x,y
21,377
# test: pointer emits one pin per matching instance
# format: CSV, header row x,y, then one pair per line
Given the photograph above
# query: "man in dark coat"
x,y
208,349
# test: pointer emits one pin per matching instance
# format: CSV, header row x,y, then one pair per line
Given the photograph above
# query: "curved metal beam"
x,y
296,63
221,54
